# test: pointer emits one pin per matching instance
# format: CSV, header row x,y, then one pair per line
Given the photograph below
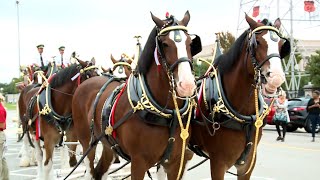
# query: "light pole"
x,y
18,25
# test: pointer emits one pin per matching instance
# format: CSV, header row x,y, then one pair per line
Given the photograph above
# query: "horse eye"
x,y
258,42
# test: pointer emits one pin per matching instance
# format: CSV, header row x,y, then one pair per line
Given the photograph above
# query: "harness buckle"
x,y
109,130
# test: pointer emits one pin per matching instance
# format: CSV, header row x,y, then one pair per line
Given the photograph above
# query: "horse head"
x,y
88,68
267,47
122,67
174,48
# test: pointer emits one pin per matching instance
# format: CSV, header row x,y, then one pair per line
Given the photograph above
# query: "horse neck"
x,y
64,93
158,84
238,87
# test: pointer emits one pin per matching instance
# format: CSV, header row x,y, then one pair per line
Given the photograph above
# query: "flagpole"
x,y
18,25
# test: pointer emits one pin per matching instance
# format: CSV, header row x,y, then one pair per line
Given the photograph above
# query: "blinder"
x,y
285,49
196,45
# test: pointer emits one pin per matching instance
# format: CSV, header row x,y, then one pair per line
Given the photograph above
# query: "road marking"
x,y
23,175
291,147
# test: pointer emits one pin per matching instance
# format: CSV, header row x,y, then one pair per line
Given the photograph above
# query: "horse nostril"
x,y
268,74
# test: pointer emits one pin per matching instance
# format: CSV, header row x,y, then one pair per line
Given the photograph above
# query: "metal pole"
x,y
18,23
293,79
278,6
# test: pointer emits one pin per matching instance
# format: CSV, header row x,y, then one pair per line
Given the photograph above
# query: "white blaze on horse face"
x,y
185,81
274,72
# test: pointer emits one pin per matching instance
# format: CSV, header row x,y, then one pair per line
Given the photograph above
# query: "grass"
x,y
11,106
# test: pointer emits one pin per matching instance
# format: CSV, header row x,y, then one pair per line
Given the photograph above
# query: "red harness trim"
x,y
115,106
79,79
38,130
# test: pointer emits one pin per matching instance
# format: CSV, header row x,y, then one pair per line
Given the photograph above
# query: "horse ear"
x,y
159,23
82,63
73,55
93,60
277,23
186,19
112,59
130,60
252,23
104,70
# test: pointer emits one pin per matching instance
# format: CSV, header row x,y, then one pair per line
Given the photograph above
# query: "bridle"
x,y
171,25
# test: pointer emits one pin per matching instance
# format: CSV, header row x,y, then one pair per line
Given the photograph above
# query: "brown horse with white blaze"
x,y
143,123
54,108
231,111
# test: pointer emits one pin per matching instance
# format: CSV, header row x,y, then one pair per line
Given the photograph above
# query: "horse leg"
x,y
71,137
106,159
243,169
218,169
138,168
49,145
25,153
89,160
172,169
39,157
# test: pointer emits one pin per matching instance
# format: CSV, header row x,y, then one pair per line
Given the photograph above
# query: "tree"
x,y
226,40
11,87
313,68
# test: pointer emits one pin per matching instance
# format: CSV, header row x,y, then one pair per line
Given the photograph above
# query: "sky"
x,y
97,28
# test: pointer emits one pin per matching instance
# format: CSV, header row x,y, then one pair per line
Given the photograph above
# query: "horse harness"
x,y
61,123
221,111
143,104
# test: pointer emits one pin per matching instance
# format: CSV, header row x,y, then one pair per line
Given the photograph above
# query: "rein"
x,y
220,106
184,133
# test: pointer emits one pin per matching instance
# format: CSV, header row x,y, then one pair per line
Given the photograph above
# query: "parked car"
x,y
297,109
271,113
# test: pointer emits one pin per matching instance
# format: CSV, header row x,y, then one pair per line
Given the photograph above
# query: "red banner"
x,y
309,6
256,11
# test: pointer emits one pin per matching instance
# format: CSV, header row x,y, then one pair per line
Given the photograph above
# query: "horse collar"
x,y
140,98
213,91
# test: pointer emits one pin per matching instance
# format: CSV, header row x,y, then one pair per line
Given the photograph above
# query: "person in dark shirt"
x,y
314,110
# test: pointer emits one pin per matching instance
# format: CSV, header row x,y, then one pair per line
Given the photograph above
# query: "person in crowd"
x,y
41,61
313,109
60,59
4,172
281,117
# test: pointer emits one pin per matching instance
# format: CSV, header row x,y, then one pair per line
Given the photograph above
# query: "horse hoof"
x,y
24,163
33,163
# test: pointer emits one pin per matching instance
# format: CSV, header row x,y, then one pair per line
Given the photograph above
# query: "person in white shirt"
x,y
41,61
60,59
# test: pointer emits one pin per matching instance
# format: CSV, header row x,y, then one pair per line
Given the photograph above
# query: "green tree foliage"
x,y
11,87
226,40
313,68
199,70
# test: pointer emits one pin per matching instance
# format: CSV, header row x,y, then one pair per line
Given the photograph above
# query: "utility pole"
x,y
18,25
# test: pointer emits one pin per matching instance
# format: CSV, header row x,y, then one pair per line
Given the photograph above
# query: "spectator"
x,y
4,172
314,110
281,117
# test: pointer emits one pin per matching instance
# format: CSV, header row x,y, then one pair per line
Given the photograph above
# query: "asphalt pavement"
x,y
295,159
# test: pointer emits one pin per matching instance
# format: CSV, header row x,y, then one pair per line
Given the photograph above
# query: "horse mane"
x,y
64,75
227,60
145,59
